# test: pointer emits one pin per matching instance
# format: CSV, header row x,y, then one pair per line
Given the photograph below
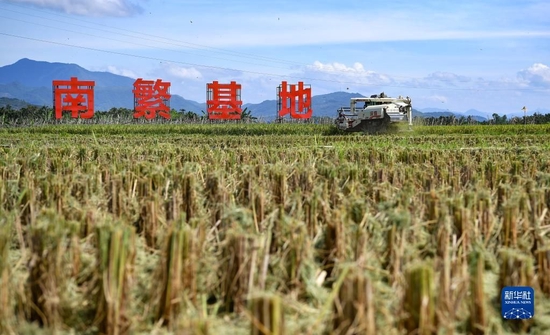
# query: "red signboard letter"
x,y
223,101
151,97
296,102
73,96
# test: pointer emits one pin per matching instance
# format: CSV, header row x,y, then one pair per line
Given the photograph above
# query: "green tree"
x,y
247,115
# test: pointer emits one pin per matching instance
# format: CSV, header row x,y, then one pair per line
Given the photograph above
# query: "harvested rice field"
x,y
272,229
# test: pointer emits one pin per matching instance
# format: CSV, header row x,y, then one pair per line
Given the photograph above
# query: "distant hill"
x,y
13,103
31,81
328,104
433,112
438,112
34,95
520,114
322,105
33,73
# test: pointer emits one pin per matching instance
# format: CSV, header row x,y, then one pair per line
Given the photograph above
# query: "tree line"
x,y
35,115
451,120
32,114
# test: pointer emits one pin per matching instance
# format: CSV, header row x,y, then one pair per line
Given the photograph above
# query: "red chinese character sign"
x,y
294,100
75,96
223,101
151,97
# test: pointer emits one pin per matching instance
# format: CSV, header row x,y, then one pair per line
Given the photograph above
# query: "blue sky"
x,y
493,56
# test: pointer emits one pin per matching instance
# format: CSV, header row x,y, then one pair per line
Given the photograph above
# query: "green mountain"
x,y
322,105
31,73
31,81
438,112
13,103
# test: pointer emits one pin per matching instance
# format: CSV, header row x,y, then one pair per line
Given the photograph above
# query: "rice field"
x,y
271,229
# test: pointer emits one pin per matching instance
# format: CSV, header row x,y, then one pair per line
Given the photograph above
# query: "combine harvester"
x,y
376,114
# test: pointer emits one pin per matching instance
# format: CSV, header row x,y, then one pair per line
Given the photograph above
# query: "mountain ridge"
x,y
31,81
41,74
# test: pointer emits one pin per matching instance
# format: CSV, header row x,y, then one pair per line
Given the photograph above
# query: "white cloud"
x,y
117,8
537,75
447,77
437,89
440,87
121,72
436,98
337,67
342,73
181,72
187,82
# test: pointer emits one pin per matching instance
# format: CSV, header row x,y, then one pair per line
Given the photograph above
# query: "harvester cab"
x,y
374,114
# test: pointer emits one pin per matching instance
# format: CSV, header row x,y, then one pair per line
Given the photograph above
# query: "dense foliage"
x,y
536,118
34,115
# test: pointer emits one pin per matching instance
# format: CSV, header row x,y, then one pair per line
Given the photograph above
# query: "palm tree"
x,y
247,115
